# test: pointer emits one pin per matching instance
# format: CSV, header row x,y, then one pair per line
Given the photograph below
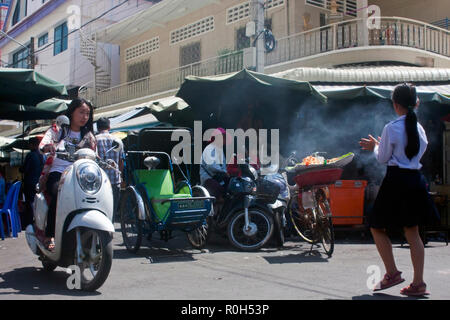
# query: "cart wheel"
x,y
199,236
325,226
302,220
129,221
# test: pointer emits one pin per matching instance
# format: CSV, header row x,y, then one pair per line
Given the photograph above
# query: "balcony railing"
x,y
393,31
169,80
444,23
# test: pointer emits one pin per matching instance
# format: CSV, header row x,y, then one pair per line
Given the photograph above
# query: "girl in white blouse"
x,y
402,200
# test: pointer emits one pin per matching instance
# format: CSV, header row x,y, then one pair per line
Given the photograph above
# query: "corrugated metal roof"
x,y
395,74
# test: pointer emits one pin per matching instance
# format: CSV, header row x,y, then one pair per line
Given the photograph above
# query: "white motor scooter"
x,y
83,228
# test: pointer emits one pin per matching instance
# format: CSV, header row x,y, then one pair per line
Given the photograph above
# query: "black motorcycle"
x,y
246,216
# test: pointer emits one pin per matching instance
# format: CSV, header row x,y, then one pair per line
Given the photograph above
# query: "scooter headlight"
x,y
90,178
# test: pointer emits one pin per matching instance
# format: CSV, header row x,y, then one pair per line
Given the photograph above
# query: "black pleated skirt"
x,y
402,201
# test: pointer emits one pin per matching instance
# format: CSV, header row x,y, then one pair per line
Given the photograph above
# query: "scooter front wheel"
x,y
258,233
96,258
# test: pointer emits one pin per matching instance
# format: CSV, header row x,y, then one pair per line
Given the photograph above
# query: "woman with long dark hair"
x,y
78,134
402,200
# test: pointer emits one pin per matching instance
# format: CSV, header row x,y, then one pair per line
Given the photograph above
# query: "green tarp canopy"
x,y
223,99
21,91
27,87
54,105
144,114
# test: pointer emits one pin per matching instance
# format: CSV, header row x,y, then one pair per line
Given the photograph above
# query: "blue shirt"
x,y
391,150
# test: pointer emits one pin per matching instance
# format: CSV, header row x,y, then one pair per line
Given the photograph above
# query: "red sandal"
x,y
415,290
389,281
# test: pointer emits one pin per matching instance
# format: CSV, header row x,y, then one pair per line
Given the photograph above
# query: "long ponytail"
x,y
406,96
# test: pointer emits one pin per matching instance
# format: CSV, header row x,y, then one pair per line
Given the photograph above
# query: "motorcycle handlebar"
x,y
69,157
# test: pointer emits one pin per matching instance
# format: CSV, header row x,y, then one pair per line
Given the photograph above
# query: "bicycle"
x,y
309,207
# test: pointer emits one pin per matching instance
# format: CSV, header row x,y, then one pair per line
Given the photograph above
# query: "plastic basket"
x,y
267,190
340,163
318,176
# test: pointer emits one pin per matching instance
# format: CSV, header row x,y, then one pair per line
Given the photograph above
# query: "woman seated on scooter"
x,y
213,168
77,135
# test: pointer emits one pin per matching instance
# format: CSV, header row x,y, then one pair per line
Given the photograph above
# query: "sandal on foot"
x,y
389,281
415,290
50,244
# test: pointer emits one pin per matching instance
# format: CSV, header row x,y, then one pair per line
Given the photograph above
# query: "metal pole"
x,y
31,53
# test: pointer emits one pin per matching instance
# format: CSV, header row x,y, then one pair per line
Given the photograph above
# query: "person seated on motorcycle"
x,y
213,168
233,168
77,135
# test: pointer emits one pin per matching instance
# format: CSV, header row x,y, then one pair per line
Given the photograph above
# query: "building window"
x,y
43,40
16,14
138,70
20,59
190,54
242,10
192,30
60,42
142,48
348,7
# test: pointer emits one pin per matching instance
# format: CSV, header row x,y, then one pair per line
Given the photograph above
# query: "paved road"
x,y
173,270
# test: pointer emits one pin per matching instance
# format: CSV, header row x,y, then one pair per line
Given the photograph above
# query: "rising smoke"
x,y
336,129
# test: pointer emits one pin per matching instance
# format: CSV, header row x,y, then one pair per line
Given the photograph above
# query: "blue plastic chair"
x,y
15,211
10,211
5,210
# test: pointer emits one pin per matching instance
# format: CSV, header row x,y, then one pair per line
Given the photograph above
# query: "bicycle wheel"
x,y
303,220
325,225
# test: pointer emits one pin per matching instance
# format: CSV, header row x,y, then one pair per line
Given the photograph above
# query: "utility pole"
x,y
363,30
257,11
31,54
